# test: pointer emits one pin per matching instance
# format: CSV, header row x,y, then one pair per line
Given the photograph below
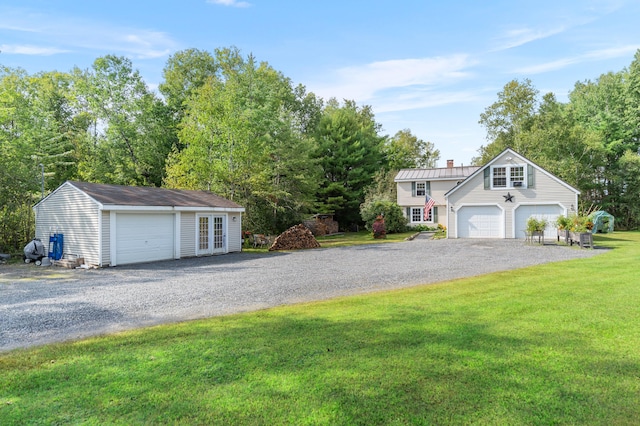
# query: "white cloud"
x,y
518,37
232,3
30,50
420,99
70,33
593,56
363,82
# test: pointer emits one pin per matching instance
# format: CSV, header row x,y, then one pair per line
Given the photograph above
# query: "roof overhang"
x,y
512,152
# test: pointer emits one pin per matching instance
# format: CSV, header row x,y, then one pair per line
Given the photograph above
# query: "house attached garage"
x,y
480,222
550,212
143,237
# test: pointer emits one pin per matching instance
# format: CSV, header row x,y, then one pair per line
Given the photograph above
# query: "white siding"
x,y
234,234
76,216
187,234
438,189
546,190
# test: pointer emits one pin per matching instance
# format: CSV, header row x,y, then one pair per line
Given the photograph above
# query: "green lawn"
x,y
552,344
343,239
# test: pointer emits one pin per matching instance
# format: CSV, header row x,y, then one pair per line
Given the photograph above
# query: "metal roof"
x,y
150,196
444,173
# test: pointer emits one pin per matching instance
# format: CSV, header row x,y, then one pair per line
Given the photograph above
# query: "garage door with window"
x,y
548,212
480,222
144,237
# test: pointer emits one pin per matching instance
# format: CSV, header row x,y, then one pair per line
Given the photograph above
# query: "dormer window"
x,y
517,176
499,177
511,176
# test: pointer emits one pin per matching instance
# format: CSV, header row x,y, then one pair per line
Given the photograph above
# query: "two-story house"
x,y
491,201
414,185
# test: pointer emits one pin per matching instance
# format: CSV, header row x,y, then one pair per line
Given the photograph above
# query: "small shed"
x,y
110,225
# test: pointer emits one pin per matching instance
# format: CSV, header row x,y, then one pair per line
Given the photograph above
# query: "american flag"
x,y
428,205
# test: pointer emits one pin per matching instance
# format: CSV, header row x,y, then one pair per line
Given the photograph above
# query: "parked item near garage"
x,y
34,252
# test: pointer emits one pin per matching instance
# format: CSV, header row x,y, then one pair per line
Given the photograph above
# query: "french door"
x,y
211,234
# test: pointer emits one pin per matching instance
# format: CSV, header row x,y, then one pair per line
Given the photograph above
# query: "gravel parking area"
x,y
41,305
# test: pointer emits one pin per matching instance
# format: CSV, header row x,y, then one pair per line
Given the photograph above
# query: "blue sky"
x,y
429,66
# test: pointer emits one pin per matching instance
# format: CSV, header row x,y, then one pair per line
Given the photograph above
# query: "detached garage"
x,y
110,225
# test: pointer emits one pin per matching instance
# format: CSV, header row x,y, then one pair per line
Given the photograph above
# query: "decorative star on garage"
x,y
508,198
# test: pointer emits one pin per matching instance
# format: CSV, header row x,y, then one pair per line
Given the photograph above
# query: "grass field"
x,y
343,239
551,344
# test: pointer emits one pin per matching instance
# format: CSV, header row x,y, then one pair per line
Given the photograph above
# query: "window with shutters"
x,y
511,176
417,215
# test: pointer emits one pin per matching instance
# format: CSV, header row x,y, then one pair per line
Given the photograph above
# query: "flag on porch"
x,y
428,205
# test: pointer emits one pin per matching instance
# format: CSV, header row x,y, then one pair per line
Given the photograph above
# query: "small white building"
x,y
110,225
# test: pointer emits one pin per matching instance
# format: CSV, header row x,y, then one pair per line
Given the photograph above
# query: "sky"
x,y
428,66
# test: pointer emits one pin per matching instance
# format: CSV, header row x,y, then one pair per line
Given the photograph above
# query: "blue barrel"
x,y
56,244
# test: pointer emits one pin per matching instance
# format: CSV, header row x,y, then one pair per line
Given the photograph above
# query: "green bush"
x,y
394,220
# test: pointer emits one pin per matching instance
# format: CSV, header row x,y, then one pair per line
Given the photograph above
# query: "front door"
x,y
211,234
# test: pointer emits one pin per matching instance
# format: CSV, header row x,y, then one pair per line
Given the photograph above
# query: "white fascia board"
x,y
118,208
151,209
211,209
67,183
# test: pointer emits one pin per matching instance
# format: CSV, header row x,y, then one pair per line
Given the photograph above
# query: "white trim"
x,y
67,183
512,152
210,209
508,184
100,237
209,249
143,209
422,221
177,220
112,238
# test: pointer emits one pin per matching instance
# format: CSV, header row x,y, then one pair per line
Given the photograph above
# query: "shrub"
x,y
563,222
394,220
379,230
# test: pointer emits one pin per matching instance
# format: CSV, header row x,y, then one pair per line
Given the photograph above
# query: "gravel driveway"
x,y
41,305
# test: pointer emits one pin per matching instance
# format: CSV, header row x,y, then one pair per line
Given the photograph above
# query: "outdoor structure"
x,y
322,224
491,201
414,184
110,225
496,200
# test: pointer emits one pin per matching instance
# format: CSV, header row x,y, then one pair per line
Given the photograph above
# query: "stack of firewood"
x,y
294,238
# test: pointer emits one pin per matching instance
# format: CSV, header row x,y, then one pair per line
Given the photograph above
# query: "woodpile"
x,y
322,224
295,238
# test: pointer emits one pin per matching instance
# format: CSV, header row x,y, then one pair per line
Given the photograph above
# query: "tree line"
x,y
227,123
592,141
220,121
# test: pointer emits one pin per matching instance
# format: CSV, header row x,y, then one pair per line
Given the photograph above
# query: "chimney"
x,y
449,164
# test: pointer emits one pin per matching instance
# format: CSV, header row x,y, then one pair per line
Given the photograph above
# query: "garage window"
x,y
511,176
499,177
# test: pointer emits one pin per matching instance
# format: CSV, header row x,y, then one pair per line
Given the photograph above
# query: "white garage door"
x,y
480,222
143,237
548,212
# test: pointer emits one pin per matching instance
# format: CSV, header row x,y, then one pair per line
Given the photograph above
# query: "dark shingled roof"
x,y
150,196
